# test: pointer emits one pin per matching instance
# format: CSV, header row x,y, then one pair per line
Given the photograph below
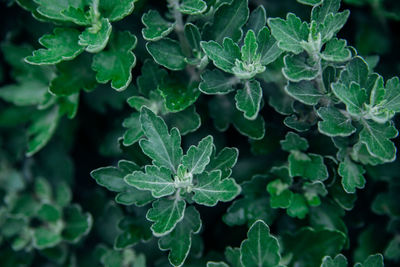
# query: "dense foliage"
x,y
209,133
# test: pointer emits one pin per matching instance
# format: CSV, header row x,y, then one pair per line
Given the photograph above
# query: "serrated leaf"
x,y
154,179
115,11
296,123
248,99
352,175
320,12
177,94
338,261
198,157
260,248
293,141
162,147
267,47
165,214
224,56
392,92
257,20
168,53
134,130
223,161
156,27
304,91
310,166
54,10
192,7
134,231
336,50
186,121
353,96
95,38
372,261
332,24
281,196
249,48
356,71
289,33
151,77
228,21
310,2
77,223
216,82
61,45
377,137
192,34
189,225
334,123
217,264
297,68
210,189
232,255
115,64
24,94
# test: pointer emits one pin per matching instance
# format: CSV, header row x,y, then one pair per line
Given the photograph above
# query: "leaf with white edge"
x,y
77,223
228,21
28,93
313,191
293,141
249,48
116,62
338,261
210,189
54,10
224,56
116,10
165,214
304,91
376,137
320,12
217,264
280,194
352,175
216,82
178,95
164,148
257,20
45,238
353,96
189,225
152,76
375,260
95,38
198,157
41,130
248,99
77,15
298,207
332,24
310,166
336,50
260,248
296,123
61,45
334,123
267,47
254,129
310,2
154,179
391,99
192,7
289,33
232,256
168,53
297,68
192,34
156,27
134,130
223,161
356,71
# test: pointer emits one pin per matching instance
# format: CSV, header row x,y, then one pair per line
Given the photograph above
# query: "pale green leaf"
x,y
310,166
249,48
298,206
257,20
192,7
352,175
248,99
353,96
304,91
192,34
156,27
198,157
94,39
223,57
27,93
297,68
116,10
336,50
310,2
216,82
392,95
320,12
267,47
134,130
223,161
334,123
168,53
54,9
338,261
332,24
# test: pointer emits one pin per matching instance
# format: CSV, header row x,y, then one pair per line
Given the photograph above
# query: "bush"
x,y
229,137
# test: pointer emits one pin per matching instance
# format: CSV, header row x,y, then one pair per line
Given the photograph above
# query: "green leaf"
x,y
356,71
281,196
115,11
257,20
77,223
352,175
162,147
61,45
134,231
392,251
41,130
177,94
372,261
151,77
377,137
223,161
43,190
248,99
25,94
45,238
310,2
168,53
320,12
313,191
157,180
189,225
304,91
293,141
210,189
216,82
249,48
332,24
391,100
336,50
289,33
193,36
223,57
228,21
134,131
338,261
297,68
156,27
353,96
334,123
72,77
117,61
260,248
186,121
217,264
298,206
54,10
232,255
95,38
49,213
310,166
198,157
267,47
165,214
296,123
192,7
